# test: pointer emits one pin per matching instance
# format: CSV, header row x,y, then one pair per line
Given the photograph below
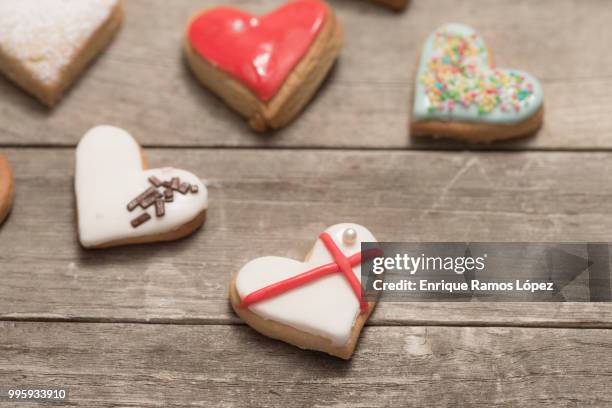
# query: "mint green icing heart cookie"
x,y
457,82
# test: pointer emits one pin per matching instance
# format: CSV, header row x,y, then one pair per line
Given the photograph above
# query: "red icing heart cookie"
x,y
267,67
260,52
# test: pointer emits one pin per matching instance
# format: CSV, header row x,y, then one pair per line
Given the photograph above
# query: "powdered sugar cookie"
x,y
120,202
7,189
45,45
315,304
266,68
460,94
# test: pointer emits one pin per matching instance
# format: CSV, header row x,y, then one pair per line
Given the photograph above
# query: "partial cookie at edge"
x,y
7,188
49,93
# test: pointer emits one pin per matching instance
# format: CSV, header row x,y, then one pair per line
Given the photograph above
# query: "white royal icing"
x,y
45,35
109,175
326,307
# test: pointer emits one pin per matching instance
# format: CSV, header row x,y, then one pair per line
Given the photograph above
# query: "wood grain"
x,y
344,159
142,83
166,365
275,202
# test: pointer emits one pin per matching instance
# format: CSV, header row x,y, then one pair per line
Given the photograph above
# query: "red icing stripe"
x,y
260,52
341,264
345,267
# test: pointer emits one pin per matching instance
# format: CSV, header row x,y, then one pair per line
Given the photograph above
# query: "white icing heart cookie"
x,y
7,189
460,94
315,304
45,45
119,202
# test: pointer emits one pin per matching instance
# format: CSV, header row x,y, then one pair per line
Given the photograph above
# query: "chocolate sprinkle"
x,y
150,200
153,196
160,208
169,195
137,222
155,181
184,188
134,203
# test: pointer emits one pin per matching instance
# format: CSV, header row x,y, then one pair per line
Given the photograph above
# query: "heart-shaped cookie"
x,y
7,189
266,68
45,45
315,304
460,94
119,202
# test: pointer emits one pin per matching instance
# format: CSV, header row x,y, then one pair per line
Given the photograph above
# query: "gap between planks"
x,y
237,322
459,148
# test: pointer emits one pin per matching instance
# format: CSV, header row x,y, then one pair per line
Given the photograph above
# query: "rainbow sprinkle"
x,y
459,74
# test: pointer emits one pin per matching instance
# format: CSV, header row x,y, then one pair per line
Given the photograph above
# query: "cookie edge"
x,y
181,232
478,132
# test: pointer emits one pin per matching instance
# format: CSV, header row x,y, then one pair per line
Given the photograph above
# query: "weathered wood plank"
x,y
171,366
266,202
142,84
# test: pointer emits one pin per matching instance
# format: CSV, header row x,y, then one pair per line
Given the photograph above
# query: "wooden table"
x,y
151,325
